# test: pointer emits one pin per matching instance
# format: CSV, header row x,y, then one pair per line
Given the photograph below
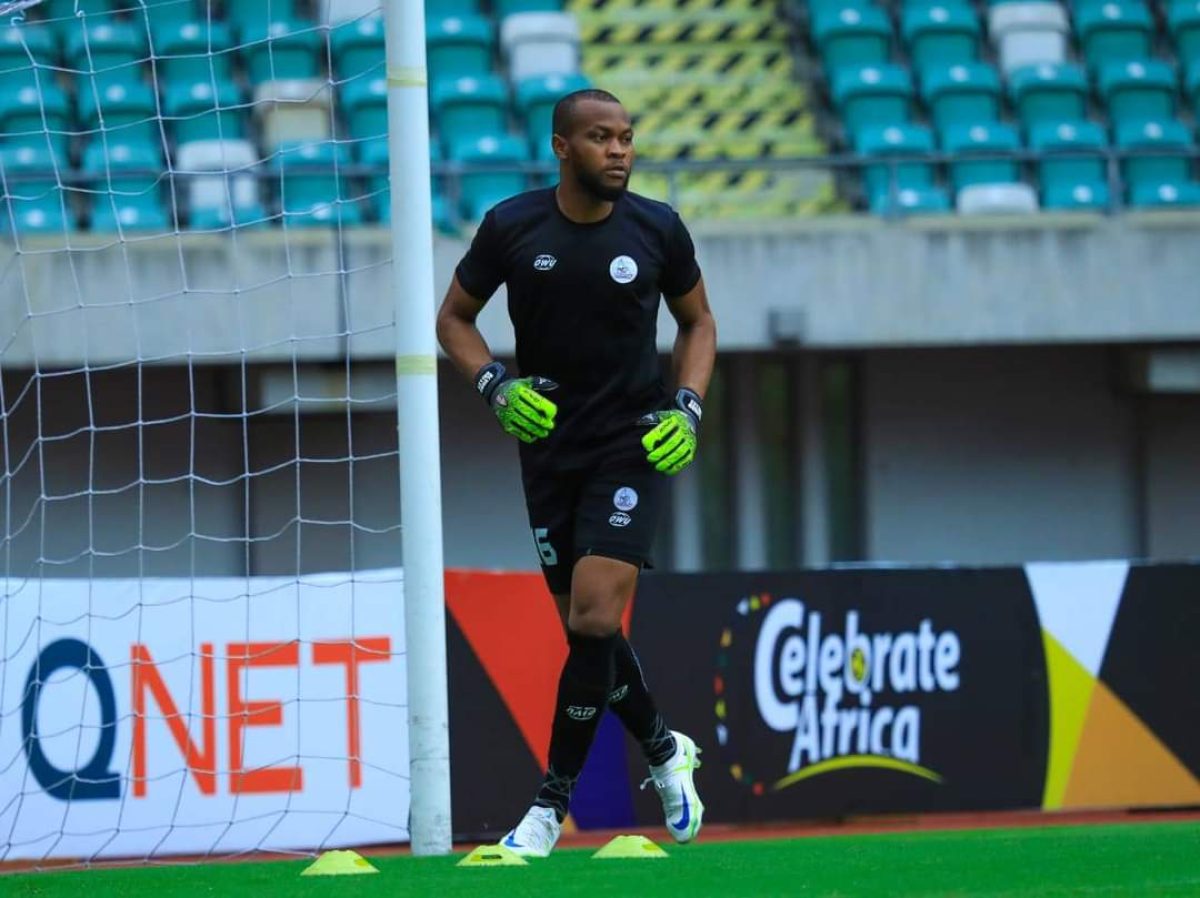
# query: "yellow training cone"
x,y
339,863
629,847
493,856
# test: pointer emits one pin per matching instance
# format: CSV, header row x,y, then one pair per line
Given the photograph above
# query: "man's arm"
x,y
458,333
695,349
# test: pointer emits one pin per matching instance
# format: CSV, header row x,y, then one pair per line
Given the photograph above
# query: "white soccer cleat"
x,y
535,835
682,807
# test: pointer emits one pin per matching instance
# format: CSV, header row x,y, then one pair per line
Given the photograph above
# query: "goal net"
x,y
201,626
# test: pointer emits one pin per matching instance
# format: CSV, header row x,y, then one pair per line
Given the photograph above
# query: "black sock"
x,y
631,701
583,688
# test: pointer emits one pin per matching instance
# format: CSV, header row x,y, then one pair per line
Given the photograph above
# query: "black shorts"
x,y
610,509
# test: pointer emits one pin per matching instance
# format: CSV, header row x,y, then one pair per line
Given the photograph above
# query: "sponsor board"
x,y
168,716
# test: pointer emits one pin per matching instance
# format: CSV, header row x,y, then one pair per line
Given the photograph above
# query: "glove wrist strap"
x,y
488,379
690,403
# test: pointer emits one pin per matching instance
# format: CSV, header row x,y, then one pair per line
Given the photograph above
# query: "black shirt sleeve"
x,y
481,270
680,272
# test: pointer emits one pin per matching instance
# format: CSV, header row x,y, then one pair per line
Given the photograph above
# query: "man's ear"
x,y
558,143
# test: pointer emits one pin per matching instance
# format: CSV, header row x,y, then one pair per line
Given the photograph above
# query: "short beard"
x,y
599,189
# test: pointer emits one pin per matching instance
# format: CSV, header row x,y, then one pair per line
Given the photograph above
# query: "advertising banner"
x,y
176,716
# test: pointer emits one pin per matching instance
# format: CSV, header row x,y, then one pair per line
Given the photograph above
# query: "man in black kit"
x,y
586,263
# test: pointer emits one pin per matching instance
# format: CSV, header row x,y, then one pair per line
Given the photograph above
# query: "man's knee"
x,y
600,591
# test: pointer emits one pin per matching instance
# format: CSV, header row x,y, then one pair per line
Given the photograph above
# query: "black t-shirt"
x,y
583,299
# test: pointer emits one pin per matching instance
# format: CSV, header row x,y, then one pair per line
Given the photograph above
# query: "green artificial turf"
x,y
1147,859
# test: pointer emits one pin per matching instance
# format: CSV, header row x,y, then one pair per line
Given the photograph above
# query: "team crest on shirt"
x,y
623,269
626,498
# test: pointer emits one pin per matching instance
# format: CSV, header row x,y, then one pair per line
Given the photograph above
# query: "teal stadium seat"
x,y
20,47
914,189
106,53
852,36
459,46
1157,178
375,153
504,8
992,139
198,112
61,14
126,185
440,9
1191,86
1048,92
187,52
1113,31
940,33
535,99
313,189
480,190
35,116
283,49
1183,21
364,106
1137,91
253,16
33,200
469,108
129,112
357,48
872,95
1070,181
962,93
156,14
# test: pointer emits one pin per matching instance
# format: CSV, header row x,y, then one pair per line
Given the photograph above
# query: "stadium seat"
x,y
1137,91
852,36
375,153
61,14
992,139
357,47
458,46
1145,176
187,52
31,201
284,49
197,112
1029,33
505,8
22,111
1191,86
126,178
872,95
156,14
106,53
313,191
129,113
224,191
967,92
440,9
293,111
940,33
480,190
996,199
364,105
1070,181
540,43
338,12
1184,193
468,108
1183,21
913,188
1048,92
20,47
535,99
253,16
1113,31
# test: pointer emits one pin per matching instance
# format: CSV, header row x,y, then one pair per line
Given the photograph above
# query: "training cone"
x,y
339,863
493,856
624,847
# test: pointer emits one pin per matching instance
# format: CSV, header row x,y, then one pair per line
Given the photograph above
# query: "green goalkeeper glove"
x,y
671,445
518,402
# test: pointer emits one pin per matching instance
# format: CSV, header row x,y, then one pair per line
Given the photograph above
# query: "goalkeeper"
x,y
585,264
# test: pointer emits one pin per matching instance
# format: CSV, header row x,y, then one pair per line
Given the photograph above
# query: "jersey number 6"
x,y
540,539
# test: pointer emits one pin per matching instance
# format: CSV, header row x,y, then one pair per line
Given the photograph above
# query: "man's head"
x,y
593,139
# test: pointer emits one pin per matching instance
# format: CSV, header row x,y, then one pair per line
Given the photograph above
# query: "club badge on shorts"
x,y
625,498
623,269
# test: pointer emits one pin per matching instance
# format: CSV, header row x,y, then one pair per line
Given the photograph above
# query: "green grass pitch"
x,y
1147,859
